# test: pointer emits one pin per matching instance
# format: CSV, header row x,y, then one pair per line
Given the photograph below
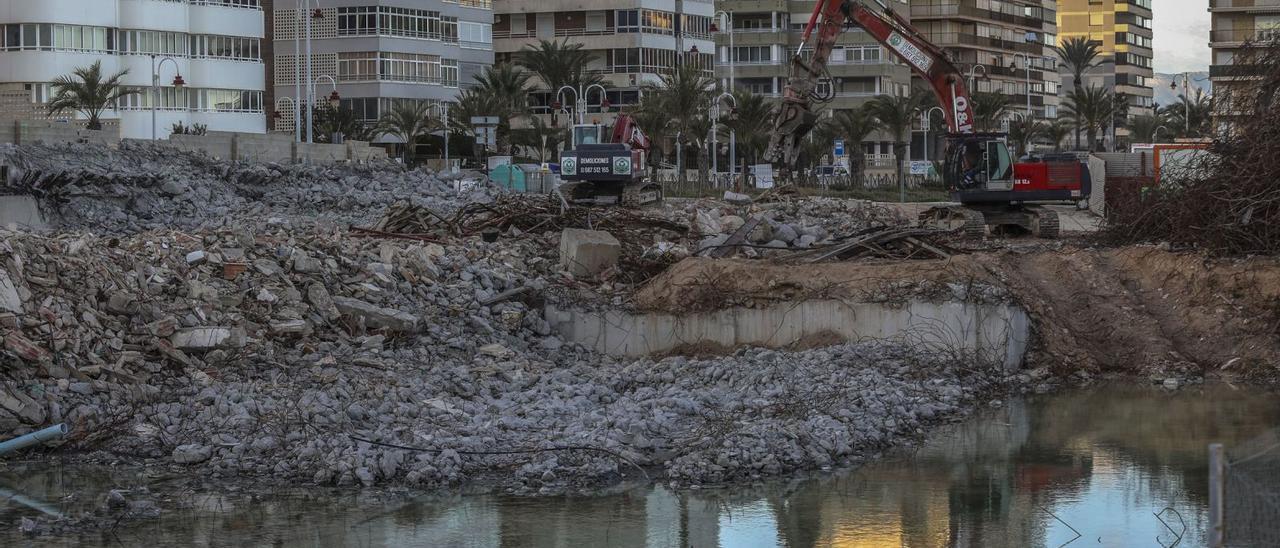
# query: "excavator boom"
x,y
796,117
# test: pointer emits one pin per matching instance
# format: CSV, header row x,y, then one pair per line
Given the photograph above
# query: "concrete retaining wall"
x,y
40,131
996,332
275,147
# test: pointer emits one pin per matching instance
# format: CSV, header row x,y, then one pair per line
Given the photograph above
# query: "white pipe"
x,y
34,438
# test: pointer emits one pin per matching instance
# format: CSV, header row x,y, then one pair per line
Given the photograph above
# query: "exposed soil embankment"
x,y
1132,309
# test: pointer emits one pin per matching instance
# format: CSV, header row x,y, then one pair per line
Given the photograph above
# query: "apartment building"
x,y
633,42
376,53
1122,30
1234,24
1007,45
765,36
214,44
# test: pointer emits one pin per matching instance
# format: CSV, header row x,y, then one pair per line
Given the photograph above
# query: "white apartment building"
x,y
214,44
379,52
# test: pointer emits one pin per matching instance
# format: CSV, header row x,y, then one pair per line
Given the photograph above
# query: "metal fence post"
x,y
1217,490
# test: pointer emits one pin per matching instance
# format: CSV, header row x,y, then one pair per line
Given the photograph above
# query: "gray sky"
x,y
1181,29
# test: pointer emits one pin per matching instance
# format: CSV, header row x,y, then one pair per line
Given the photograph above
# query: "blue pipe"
x,y
34,438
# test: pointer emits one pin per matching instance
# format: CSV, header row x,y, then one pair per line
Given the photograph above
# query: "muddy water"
x,y
1095,465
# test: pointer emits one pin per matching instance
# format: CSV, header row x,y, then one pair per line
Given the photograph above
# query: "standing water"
x,y
1107,466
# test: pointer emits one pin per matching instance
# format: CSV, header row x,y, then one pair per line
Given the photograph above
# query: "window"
x,y
475,35
627,21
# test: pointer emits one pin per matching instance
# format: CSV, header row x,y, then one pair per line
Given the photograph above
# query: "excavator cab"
x,y
978,161
587,134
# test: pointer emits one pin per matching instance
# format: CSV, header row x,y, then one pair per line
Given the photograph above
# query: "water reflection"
x,y
1099,462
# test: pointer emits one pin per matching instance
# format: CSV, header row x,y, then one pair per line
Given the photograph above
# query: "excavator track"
x,y
972,223
1047,223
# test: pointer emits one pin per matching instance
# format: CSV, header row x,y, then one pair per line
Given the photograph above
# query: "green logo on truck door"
x,y
568,166
622,166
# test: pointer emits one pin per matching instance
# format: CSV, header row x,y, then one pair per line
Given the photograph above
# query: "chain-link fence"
x,y
1249,487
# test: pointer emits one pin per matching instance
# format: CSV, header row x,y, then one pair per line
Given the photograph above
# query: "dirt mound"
x,y
1131,309
1141,309
700,284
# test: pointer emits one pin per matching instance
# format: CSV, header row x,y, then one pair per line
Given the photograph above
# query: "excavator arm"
x,y
795,116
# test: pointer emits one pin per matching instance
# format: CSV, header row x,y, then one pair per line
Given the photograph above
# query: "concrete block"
x,y
588,252
205,338
21,213
375,316
10,300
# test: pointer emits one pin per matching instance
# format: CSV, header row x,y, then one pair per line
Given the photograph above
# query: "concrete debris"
x,y
204,311
586,253
376,317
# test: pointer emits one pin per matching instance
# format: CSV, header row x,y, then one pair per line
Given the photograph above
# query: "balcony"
x,y
1237,36
1261,6
1236,71
955,39
970,10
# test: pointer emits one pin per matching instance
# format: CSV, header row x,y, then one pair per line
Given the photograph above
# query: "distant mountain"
x,y
1165,95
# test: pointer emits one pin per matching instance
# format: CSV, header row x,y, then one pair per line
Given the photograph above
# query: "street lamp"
x,y
444,113
303,13
733,137
178,82
335,100
1026,62
1156,135
276,115
972,69
926,122
580,98
728,18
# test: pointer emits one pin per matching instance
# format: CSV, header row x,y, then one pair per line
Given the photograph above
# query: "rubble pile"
x,y
144,186
784,224
275,353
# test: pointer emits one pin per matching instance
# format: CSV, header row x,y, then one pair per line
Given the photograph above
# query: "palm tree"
x,y
1058,131
989,109
1198,109
407,121
1079,55
86,91
539,140
1143,128
896,115
559,64
653,122
1025,130
853,126
1092,110
681,101
329,120
508,87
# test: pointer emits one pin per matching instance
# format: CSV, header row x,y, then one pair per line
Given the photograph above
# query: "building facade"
x,y
1007,45
376,53
766,35
1122,30
633,43
1235,23
214,44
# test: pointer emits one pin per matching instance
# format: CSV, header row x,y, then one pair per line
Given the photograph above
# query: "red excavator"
x,y
994,191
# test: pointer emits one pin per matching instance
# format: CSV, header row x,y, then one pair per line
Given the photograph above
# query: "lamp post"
x,y
277,115
1156,134
580,99
733,138
178,82
444,113
1026,62
972,69
728,18
303,73
1186,98
926,122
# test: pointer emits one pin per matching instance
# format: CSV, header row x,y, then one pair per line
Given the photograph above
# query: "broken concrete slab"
x,y
10,300
586,253
192,453
376,317
22,212
27,409
207,338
